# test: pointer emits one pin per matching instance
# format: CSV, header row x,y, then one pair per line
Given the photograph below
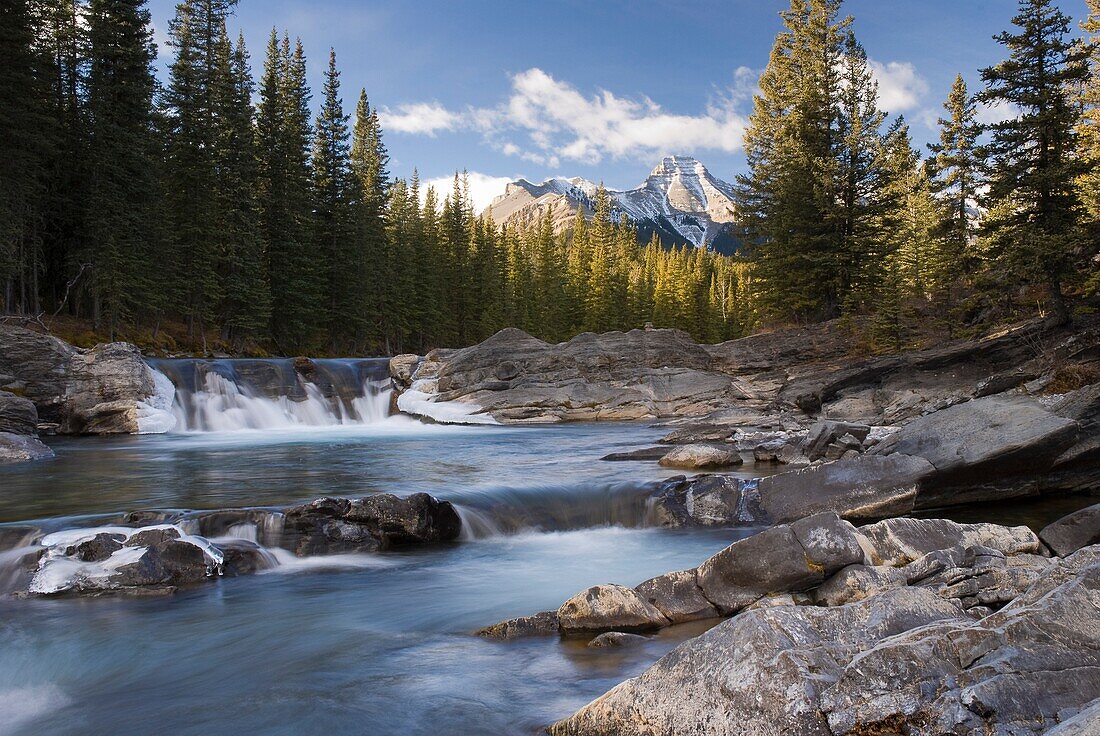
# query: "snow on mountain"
x,y
680,201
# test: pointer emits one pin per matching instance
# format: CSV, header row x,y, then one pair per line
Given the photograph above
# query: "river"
x,y
372,644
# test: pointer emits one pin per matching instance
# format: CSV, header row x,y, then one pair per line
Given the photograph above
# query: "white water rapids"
x,y
231,395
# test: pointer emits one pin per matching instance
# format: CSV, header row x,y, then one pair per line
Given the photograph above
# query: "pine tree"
x,y
1035,232
284,137
333,190
26,135
377,266
122,162
957,166
246,305
599,295
1088,183
197,79
788,200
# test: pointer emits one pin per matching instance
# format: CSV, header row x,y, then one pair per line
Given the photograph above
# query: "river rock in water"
x,y
699,456
1070,533
381,521
19,448
608,607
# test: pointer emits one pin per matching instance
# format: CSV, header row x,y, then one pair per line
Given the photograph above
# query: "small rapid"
x,y
225,395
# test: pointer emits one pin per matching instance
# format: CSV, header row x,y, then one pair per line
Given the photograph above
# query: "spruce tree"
x,y
333,195
788,200
1088,182
122,163
1035,231
246,303
375,263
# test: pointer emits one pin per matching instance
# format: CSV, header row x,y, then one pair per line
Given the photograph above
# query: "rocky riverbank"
x,y
903,626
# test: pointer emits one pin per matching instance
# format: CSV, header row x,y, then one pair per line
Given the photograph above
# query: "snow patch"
x,y
154,415
418,402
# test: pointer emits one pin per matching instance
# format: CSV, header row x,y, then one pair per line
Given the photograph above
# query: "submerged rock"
x,y
541,624
617,639
18,448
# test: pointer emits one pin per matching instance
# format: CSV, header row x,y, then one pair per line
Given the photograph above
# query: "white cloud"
x,y
483,187
559,122
900,86
421,118
996,113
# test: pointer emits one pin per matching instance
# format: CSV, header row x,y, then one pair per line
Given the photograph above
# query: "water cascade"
x,y
233,394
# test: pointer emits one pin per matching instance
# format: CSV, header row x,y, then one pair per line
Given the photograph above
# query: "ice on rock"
x,y
155,413
418,402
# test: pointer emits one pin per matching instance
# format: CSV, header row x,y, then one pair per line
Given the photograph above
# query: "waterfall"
x,y
233,394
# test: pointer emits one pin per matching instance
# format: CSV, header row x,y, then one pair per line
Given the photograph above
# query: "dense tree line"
x,y
130,203
844,217
225,207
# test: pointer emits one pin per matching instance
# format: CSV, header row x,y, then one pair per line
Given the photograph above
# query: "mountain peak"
x,y
680,199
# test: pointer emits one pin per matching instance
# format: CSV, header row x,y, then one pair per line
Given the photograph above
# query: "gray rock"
x,y
96,391
706,500
381,521
608,608
861,488
98,548
243,557
759,673
677,596
170,562
152,537
700,456
1072,532
777,560
1085,723
857,582
18,448
541,624
17,415
826,432
903,661
616,375
898,542
402,368
983,439
617,639
646,453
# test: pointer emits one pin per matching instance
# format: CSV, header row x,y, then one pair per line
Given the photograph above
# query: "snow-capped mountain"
x,y
680,201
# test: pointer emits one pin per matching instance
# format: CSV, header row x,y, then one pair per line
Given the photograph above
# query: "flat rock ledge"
x,y
941,628
154,553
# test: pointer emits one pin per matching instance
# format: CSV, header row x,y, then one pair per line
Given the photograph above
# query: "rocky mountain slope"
x,y
680,201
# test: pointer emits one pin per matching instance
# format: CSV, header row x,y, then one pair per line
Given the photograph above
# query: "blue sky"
x,y
597,88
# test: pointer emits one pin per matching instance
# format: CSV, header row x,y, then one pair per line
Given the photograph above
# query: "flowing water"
x,y
352,644
373,644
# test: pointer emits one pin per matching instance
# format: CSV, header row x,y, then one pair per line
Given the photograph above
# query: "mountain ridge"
x,y
680,201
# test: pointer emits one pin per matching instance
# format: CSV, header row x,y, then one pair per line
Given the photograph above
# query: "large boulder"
x,y
758,673
677,596
906,660
515,378
784,558
17,414
381,521
859,489
1072,532
608,608
105,390
973,444
700,456
900,541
